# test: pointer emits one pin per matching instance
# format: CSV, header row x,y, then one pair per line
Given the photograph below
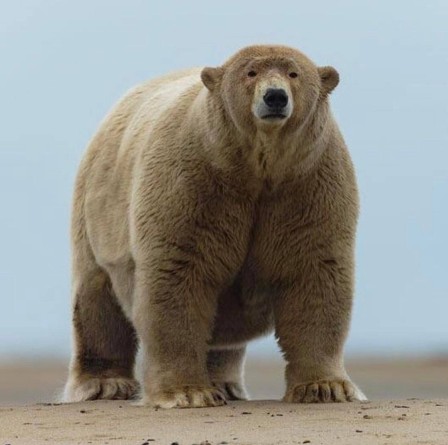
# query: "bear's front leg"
x,y
312,315
185,254
173,315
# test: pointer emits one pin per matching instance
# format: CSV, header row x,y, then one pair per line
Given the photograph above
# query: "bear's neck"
x,y
283,154
270,156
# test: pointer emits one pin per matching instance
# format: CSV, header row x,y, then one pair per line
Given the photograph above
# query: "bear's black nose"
x,y
275,98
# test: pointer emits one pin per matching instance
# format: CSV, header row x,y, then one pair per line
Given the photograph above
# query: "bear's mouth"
x,y
274,116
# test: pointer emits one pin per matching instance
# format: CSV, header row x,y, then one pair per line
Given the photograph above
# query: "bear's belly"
x,y
245,310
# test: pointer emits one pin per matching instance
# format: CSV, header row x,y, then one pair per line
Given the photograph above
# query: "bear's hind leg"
x,y
104,342
225,369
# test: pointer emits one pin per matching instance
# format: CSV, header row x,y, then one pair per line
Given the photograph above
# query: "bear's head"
x,y
269,86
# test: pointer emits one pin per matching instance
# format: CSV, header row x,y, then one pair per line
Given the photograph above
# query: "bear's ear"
x,y
329,79
211,77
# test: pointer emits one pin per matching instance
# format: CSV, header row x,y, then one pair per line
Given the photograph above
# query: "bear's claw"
x,y
324,391
94,388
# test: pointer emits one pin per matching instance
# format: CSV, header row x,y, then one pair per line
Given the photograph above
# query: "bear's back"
x,y
104,183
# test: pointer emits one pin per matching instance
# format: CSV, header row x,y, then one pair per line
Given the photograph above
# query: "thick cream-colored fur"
x,y
197,226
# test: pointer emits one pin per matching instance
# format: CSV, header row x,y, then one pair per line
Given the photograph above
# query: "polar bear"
x,y
212,207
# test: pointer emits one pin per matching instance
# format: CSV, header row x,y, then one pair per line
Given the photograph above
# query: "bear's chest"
x,y
279,237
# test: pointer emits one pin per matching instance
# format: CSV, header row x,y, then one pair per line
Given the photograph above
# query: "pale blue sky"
x,y
64,64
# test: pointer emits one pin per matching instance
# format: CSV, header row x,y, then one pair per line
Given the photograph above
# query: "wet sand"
x,y
32,382
409,405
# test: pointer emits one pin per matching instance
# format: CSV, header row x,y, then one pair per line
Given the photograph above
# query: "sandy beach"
x,y
408,405
259,422
381,379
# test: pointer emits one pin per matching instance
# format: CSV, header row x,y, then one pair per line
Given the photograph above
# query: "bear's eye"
x,y
252,73
293,75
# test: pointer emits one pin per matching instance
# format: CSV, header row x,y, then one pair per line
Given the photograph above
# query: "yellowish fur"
x,y
198,226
